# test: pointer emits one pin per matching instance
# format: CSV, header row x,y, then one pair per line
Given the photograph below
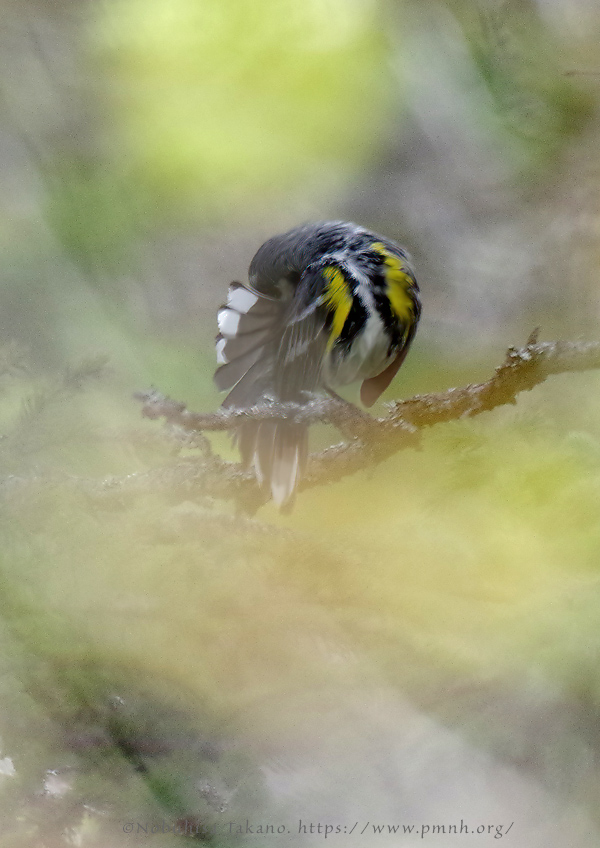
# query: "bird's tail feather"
x,y
278,452
248,325
249,332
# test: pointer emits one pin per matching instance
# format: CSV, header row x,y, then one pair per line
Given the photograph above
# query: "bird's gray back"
x,y
288,255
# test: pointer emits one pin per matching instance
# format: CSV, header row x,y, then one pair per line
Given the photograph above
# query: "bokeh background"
x,y
415,645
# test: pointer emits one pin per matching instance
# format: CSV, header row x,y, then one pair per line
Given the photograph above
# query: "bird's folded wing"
x,y
304,341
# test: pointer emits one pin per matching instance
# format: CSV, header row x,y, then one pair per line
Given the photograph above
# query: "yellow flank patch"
x,y
398,282
337,297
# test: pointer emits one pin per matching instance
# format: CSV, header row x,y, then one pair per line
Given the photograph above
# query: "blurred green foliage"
x,y
522,62
146,624
224,108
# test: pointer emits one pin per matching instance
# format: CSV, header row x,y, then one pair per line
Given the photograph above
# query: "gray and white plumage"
x,y
326,304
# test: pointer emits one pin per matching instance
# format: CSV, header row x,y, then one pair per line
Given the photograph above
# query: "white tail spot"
x,y
228,321
221,358
241,299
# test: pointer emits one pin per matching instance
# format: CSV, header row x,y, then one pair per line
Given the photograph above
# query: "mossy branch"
x,y
368,440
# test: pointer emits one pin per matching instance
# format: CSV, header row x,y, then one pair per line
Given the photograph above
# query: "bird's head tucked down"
x,y
326,304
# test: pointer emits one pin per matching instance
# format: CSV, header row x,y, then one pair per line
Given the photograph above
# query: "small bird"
x,y
327,303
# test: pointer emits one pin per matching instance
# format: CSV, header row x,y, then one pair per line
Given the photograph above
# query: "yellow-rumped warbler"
x,y
326,304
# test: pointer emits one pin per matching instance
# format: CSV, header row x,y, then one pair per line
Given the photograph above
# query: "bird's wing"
x,y
304,341
248,326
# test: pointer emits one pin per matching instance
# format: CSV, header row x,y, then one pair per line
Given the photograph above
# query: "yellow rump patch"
x,y
399,282
337,297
